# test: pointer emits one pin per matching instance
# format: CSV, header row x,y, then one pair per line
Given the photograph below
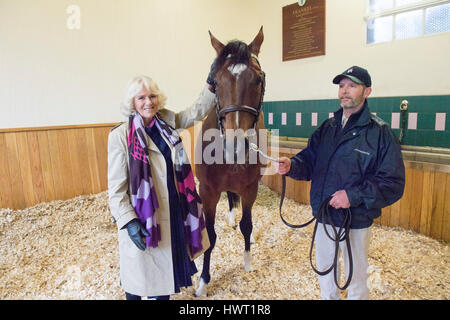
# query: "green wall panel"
x,y
426,108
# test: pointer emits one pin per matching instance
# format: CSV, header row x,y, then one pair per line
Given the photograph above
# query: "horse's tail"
x,y
233,200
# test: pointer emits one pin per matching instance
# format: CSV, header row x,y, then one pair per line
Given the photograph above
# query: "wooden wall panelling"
x,y
405,201
384,214
306,194
52,163
46,165
416,199
437,217
290,183
290,187
446,219
25,168
92,158
272,182
308,190
18,198
278,183
394,220
36,167
298,191
56,164
266,181
105,155
74,160
66,164
83,160
5,187
300,188
427,202
102,155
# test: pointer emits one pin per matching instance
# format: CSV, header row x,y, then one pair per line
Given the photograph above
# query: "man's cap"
x,y
356,74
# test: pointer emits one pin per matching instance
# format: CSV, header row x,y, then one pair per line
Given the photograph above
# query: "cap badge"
x,y
350,70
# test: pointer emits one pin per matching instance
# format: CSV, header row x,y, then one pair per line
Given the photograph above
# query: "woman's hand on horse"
x,y
211,88
283,165
210,79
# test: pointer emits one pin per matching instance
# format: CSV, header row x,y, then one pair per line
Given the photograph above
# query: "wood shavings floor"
x,y
68,250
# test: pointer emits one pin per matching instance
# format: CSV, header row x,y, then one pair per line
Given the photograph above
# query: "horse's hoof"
x,y
202,289
248,268
248,261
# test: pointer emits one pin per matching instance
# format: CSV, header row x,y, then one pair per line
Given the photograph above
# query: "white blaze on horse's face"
x,y
237,69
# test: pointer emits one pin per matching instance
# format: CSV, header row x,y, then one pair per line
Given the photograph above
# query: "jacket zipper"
x,y
344,139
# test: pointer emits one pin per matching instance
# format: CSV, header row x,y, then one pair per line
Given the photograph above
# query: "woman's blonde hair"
x,y
135,86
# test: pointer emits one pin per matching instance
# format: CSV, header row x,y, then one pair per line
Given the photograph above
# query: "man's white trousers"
x,y
325,248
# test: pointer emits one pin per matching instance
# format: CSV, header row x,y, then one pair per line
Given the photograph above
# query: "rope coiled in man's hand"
x,y
341,234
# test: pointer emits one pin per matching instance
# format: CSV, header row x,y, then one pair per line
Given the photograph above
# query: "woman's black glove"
x,y
136,231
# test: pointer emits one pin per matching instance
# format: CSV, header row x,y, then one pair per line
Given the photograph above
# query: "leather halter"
x,y
221,112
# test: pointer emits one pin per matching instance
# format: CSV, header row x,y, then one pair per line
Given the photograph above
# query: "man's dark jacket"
x,y
364,159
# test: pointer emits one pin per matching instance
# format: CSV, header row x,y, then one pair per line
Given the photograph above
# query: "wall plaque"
x,y
304,29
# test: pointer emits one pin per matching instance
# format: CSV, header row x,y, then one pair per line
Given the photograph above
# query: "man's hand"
x,y
283,166
340,200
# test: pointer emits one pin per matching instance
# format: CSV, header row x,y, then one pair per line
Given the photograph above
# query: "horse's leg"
x,y
233,200
209,198
246,223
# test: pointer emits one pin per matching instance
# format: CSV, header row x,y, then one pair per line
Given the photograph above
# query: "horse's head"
x,y
240,86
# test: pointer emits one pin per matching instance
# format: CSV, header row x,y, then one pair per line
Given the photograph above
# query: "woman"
x,y
150,197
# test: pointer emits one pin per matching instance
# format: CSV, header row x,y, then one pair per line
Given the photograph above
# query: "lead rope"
x,y
339,235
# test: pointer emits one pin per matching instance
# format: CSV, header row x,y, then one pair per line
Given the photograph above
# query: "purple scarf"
x,y
143,194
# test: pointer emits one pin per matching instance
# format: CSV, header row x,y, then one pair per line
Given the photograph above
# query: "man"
x,y
355,158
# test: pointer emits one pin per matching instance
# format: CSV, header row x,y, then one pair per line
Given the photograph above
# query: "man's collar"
x,y
361,117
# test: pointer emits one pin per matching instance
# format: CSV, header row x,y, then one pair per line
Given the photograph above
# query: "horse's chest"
x,y
240,175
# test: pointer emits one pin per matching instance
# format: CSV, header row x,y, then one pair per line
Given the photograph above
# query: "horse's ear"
x,y
256,43
217,45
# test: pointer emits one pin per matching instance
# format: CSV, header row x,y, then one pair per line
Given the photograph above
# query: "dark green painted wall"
x,y
426,108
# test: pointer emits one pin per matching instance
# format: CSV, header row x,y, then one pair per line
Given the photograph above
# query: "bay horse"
x,y
240,84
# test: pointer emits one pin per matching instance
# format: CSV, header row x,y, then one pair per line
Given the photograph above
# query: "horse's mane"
x,y
236,51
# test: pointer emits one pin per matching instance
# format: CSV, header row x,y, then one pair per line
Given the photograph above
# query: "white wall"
x,y
50,75
407,67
